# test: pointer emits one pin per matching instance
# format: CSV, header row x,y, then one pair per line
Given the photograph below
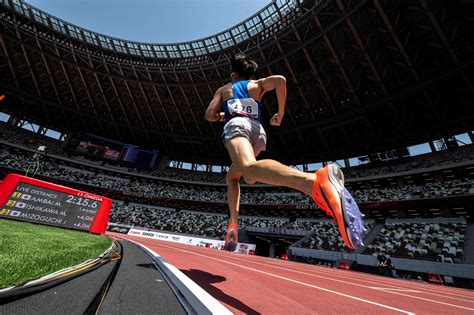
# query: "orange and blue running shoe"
x,y
231,237
330,195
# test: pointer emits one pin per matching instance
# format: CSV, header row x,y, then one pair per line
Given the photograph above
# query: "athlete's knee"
x,y
231,180
232,177
247,171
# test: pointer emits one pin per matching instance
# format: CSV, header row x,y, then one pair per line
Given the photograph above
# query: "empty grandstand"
x,y
370,83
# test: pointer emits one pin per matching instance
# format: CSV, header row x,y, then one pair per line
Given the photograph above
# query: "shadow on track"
x,y
205,280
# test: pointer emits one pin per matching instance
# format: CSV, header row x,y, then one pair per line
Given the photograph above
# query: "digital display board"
x,y
36,201
137,157
37,204
95,147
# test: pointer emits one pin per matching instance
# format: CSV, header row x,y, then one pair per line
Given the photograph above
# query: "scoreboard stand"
x,y
32,200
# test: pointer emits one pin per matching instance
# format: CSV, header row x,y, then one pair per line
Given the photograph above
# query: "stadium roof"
x,y
363,76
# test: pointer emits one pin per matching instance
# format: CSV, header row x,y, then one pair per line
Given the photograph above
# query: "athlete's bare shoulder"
x,y
219,90
225,91
270,82
255,89
227,86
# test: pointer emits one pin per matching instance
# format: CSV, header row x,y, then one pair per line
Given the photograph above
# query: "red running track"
x,y
253,285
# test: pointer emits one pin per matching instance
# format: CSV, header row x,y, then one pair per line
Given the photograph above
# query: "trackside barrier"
x,y
242,248
454,270
193,298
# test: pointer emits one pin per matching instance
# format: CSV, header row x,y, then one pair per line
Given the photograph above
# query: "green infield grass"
x,y
29,251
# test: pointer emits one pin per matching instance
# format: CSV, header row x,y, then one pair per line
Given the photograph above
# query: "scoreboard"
x,y
27,199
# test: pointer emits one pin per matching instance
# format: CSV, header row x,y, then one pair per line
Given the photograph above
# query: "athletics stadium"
x,y
115,179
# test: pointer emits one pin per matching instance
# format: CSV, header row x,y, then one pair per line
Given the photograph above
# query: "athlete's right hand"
x,y
222,117
276,120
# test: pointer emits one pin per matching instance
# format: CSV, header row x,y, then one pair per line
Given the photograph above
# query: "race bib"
x,y
243,107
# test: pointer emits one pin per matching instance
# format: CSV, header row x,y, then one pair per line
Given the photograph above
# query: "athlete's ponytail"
x,y
243,66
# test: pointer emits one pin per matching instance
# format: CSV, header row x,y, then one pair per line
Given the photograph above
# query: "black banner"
x,y
118,229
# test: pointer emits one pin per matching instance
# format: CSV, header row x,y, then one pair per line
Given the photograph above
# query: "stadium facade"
x,y
363,77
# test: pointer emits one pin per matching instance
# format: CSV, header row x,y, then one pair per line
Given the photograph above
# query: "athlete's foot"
x,y
331,196
231,237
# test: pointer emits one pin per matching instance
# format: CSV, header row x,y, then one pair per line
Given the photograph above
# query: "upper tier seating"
x,y
442,242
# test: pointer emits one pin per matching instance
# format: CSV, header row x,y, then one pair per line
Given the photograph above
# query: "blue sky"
x,y
156,21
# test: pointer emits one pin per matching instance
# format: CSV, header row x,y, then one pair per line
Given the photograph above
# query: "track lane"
x,y
344,278
395,290
258,290
405,297
427,288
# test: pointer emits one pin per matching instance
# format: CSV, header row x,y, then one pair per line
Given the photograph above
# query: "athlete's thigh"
x,y
233,173
240,151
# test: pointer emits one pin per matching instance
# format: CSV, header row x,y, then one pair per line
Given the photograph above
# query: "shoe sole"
x,y
351,216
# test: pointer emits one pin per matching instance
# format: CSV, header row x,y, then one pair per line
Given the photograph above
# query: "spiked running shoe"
x,y
231,237
330,195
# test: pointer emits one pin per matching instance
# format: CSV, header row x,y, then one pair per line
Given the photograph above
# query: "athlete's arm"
x,y
277,83
212,112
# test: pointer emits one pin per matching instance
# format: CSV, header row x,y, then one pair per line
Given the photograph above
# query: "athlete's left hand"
x,y
276,120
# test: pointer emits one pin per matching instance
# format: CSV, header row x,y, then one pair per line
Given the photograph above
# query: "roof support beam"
x,y
9,61
53,84
445,41
33,75
71,89
405,56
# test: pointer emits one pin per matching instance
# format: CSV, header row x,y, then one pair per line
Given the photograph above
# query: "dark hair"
x,y
243,66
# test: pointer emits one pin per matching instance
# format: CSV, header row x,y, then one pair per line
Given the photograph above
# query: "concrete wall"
x,y
277,231
426,220
454,270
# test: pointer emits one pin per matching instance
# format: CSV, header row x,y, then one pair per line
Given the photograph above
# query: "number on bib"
x,y
244,107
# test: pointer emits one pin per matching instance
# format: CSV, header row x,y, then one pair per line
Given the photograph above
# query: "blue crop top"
x,y
241,104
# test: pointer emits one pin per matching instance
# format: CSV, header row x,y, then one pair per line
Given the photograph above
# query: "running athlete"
x,y
244,139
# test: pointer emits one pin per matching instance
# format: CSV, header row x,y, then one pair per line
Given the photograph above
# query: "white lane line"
x,y
419,288
424,287
394,289
350,283
206,303
447,294
402,283
334,273
376,279
291,280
